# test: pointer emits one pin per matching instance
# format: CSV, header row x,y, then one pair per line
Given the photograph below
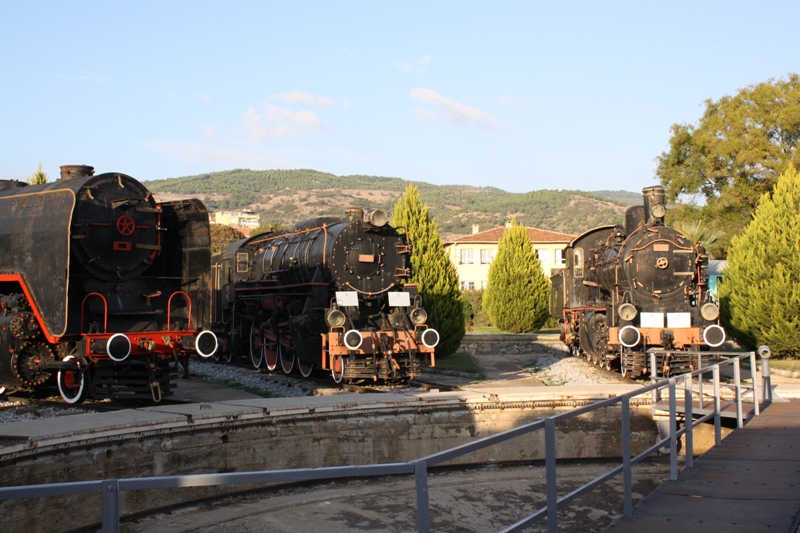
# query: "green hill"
x,y
287,196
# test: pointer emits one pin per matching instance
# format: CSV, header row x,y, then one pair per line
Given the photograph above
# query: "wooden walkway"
x,y
750,483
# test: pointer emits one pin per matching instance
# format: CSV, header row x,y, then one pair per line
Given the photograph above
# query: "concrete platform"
x,y
229,404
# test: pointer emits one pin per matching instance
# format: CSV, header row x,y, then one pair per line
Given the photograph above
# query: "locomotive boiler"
x,y
100,286
329,294
627,289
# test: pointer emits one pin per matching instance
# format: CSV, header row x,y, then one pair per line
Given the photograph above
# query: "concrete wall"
x,y
372,436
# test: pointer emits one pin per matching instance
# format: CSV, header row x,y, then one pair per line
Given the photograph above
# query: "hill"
x,y
287,196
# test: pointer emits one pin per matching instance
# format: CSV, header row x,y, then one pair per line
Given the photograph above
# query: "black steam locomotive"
x,y
100,286
328,294
628,289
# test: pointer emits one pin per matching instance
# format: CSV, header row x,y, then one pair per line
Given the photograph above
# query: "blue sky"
x,y
517,95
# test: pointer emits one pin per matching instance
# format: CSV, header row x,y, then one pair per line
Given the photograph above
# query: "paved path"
x,y
747,484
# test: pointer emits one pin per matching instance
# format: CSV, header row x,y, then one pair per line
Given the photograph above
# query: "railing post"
x,y
654,377
737,384
111,506
627,480
423,503
754,375
766,379
552,480
689,419
673,429
717,417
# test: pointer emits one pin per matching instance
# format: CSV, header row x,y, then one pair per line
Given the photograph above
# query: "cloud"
x,y
220,157
449,112
506,99
300,97
205,99
280,122
410,68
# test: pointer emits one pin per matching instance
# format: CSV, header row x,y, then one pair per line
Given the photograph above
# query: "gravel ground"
x,y
567,370
18,411
247,378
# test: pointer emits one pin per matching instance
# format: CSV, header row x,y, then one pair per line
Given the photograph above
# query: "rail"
x,y
110,488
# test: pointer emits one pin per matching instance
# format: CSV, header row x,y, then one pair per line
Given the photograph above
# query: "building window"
x,y
467,285
487,256
544,256
467,257
560,260
484,283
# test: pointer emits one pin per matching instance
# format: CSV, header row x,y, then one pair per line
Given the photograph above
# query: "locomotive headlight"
x,y
429,337
377,218
206,343
627,312
353,340
629,336
709,311
418,316
335,318
714,335
118,347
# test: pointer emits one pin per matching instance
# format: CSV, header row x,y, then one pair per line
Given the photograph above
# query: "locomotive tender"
x,y
328,294
628,289
100,286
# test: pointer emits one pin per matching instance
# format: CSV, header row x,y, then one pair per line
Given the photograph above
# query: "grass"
x,y
495,331
459,362
792,365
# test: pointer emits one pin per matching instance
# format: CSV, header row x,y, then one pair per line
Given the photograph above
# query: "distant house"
x,y
472,255
237,219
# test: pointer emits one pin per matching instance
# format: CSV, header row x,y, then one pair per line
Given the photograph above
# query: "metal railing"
x,y
111,488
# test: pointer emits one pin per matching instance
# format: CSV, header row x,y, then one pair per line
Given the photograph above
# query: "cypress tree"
x,y
432,270
517,295
760,291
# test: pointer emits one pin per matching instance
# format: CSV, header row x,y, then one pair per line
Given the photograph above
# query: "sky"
x,y
519,95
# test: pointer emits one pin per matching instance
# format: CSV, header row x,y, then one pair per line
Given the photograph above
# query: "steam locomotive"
x,y
100,286
328,294
627,289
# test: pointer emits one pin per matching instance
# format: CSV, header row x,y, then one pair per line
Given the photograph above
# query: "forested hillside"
x,y
287,196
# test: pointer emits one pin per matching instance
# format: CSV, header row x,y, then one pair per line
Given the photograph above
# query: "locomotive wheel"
x,y
271,357
337,369
287,358
305,369
72,383
256,346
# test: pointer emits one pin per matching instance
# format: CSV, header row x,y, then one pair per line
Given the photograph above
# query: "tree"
x,y
760,292
699,232
39,177
432,270
222,236
735,154
269,227
518,293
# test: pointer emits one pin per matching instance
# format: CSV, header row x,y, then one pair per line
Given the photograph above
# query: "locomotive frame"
x,y
328,294
100,286
626,289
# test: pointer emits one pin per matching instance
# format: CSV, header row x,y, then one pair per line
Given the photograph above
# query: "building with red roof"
x,y
472,254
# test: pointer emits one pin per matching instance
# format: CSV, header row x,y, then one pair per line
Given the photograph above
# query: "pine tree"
x,y
432,270
39,177
761,289
518,293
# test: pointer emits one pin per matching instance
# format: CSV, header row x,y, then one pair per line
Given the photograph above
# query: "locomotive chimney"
x,y
654,209
354,214
69,172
